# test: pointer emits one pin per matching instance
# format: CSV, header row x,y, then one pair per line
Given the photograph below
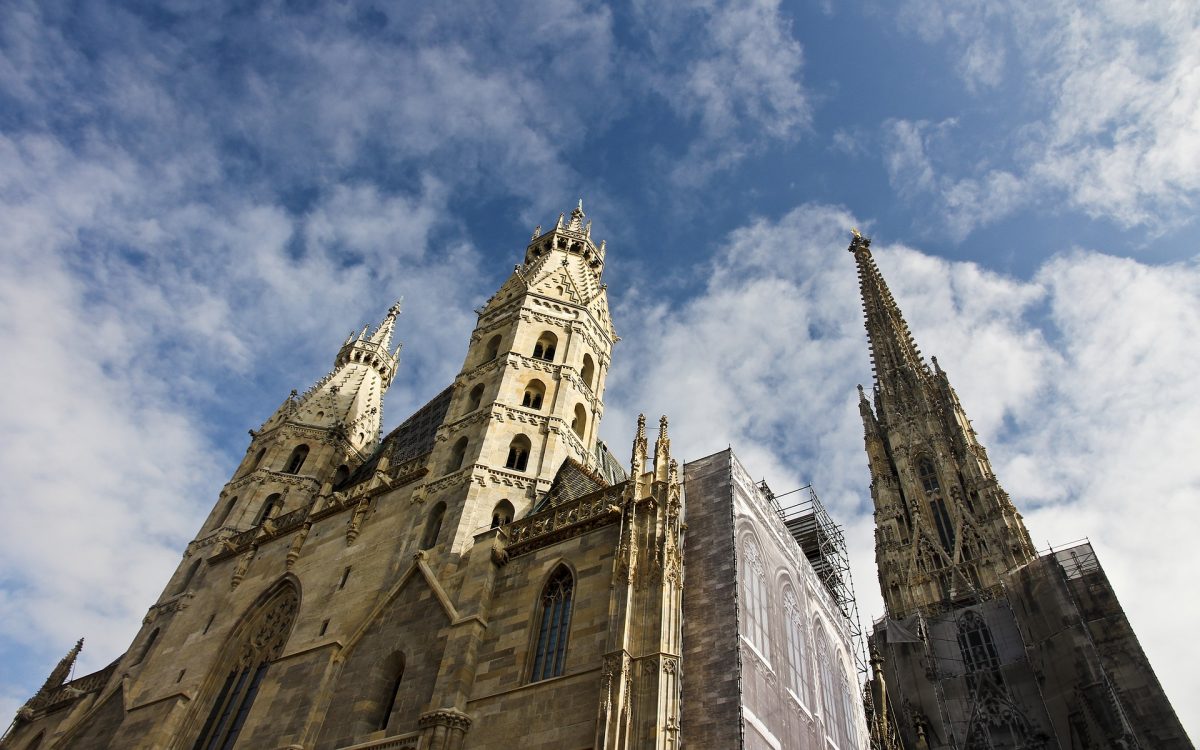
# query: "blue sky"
x,y
198,200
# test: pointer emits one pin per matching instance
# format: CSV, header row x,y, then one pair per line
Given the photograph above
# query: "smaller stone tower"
x,y
530,393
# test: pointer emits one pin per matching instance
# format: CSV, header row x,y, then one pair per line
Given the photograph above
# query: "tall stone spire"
x,y
944,528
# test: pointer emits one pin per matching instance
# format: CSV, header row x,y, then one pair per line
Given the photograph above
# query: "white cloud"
x,y
1114,96
1080,381
740,81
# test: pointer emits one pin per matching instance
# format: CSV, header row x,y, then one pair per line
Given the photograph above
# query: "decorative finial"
x,y
579,207
537,232
857,240
662,427
854,231
641,428
394,310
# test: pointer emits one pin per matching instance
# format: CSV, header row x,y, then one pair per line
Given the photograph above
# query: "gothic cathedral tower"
x,y
944,528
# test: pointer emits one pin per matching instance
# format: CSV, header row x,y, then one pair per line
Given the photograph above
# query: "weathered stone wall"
x,y
711,677
504,704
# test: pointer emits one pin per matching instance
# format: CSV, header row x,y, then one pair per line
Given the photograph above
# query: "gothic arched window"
x,y
433,526
797,647
457,454
975,641
147,647
928,475
754,585
588,372
554,626
518,453
247,656
828,689
545,346
849,725
296,460
187,578
258,457
225,511
535,391
270,508
502,514
341,474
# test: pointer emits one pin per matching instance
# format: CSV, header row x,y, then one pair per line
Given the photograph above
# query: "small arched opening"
x,y
188,577
588,372
270,508
457,454
389,688
147,647
535,391
475,397
579,423
225,511
493,348
296,461
258,457
502,514
433,526
341,474
545,347
518,453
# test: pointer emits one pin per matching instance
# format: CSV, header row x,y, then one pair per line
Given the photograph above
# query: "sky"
x,y
199,200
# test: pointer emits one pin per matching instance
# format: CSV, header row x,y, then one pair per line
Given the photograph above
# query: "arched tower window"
x,y
341,475
797,646
270,508
493,348
147,647
518,453
457,454
248,655
225,511
296,460
928,475
545,346
187,578
754,586
579,423
433,526
588,372
849,733
475,397
502,514
535,391
393,677
258,457
554,625
36,742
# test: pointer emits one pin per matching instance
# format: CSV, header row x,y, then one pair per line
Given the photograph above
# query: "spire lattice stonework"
x,y
945,530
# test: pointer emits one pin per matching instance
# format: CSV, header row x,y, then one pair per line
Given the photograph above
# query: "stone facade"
x,y
985,644
484,576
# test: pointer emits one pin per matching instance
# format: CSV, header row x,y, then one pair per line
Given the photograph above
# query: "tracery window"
x,y
249,655
928,475
975,641
754,585
554,626
797,647
849,726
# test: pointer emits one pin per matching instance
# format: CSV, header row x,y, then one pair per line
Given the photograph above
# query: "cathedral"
x,y
489,575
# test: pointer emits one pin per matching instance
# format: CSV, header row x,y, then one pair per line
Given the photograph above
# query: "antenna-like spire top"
x,y
383,334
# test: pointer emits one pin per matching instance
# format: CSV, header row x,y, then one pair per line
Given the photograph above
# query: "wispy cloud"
x,y
1112,128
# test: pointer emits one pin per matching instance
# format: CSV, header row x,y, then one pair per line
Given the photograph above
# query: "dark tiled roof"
x,y
572,480
413,438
